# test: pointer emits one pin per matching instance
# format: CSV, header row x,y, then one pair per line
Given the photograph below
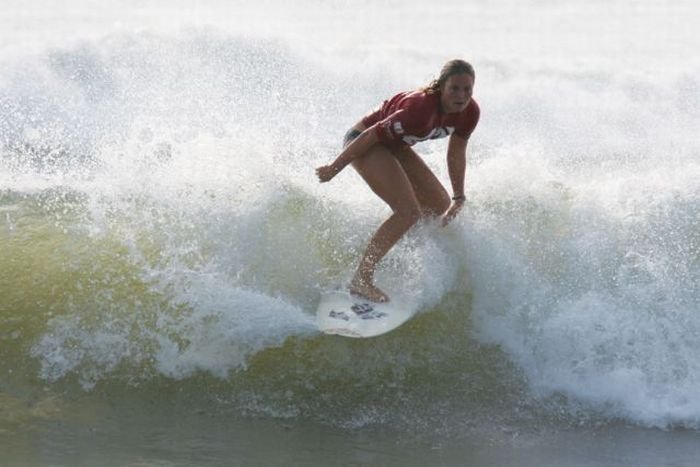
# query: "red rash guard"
x,y
413,116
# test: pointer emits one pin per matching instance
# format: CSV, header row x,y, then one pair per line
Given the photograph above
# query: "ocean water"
x,y
164,241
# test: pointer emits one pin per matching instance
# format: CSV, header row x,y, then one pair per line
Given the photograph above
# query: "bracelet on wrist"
x,y
459,198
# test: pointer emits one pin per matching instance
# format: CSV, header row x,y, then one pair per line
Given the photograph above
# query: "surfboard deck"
x,y
344,314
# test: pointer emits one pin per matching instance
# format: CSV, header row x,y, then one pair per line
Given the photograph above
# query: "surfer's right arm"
x,y
356,148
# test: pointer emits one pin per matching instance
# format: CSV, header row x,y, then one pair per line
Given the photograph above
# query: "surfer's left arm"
x,y
456,166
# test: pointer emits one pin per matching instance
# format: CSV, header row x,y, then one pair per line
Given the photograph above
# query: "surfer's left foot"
x,y
368,291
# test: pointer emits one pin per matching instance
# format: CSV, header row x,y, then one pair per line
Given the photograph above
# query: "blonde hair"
x,y
451,68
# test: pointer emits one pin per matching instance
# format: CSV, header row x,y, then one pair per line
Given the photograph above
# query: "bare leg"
x,y
387,178
386,237
428,192
432,196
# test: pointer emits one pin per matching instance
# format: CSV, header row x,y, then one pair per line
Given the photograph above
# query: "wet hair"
x,y
451,68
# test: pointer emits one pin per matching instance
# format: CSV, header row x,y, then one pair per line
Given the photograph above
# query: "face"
x,y
456,93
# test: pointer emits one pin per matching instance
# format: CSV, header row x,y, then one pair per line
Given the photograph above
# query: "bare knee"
x,y
409,215
438,207
443,204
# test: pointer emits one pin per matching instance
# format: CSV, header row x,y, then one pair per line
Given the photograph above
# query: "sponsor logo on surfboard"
x,y
367,311
363,310
339,315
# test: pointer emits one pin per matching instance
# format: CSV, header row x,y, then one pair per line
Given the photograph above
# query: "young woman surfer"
x,y
379,148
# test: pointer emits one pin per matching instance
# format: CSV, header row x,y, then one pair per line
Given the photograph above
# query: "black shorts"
x,y
350,135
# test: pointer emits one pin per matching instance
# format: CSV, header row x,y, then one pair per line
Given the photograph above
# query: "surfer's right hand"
x,y
326,173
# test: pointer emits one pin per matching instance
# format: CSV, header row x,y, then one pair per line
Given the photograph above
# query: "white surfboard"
x,y
347,315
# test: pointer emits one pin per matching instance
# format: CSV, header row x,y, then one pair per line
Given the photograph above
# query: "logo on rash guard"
x,y
435,133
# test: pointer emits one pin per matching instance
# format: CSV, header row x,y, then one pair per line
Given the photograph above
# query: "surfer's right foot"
x,y
368,291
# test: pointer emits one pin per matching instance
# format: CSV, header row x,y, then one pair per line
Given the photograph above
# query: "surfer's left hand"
x,y
452,212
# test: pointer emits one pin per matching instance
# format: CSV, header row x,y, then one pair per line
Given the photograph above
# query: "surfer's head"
x,y
451,68
455,85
